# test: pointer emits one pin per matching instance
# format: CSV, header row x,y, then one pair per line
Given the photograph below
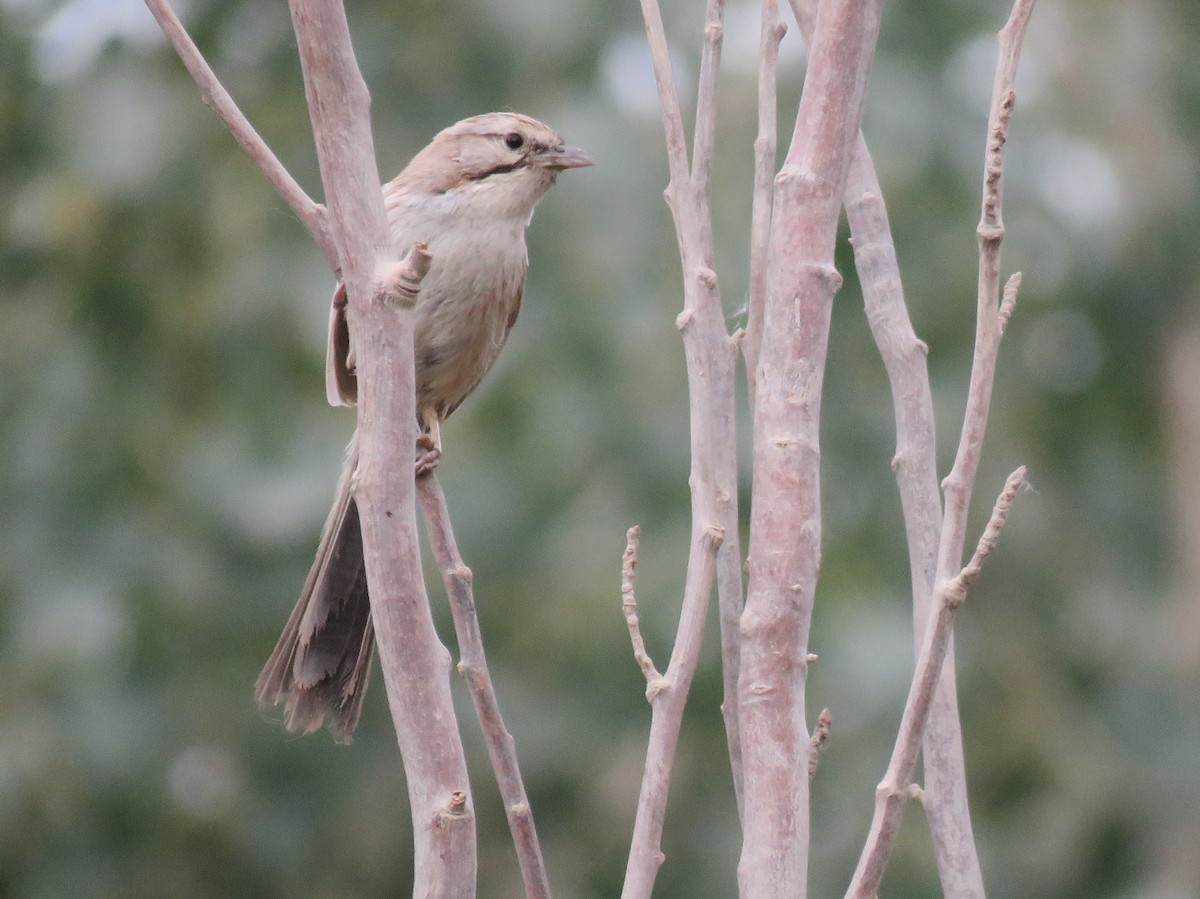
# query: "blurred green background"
x,y
169,456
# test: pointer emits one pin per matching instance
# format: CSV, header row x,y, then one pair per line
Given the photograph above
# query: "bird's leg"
x,y
429,446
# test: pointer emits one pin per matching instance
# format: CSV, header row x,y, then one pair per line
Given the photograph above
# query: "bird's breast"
x,y
467,304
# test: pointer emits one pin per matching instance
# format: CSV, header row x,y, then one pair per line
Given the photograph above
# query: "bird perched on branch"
x,y
468,196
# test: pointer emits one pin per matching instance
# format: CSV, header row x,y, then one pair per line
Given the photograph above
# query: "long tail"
x,y
320,665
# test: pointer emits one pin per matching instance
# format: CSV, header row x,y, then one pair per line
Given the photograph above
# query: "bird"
x,y
468,197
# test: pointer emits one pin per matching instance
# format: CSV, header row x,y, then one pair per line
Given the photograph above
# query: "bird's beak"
x,y
564,157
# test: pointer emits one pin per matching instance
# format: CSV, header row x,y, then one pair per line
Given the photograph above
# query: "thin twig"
x,y
667,697
770,36
473,666
709,352
893,792
957,485
711,360
314,216
1008,305
677,155
945,775
704,138
654,680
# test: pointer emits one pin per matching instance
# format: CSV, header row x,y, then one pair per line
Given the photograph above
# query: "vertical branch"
x,y
667,694
945,776
713,415
770,36
785,526
704,137
709,353
958,484
473,666
915,466
945,794
415,664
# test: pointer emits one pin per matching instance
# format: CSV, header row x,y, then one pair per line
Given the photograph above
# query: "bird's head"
x,y
504,159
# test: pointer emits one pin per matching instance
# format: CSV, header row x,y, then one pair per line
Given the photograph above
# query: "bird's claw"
x,y
427,460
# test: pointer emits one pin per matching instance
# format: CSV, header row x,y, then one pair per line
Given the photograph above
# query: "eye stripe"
x,y
498,170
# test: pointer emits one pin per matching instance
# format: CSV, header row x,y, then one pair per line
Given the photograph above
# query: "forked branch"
x,y
709,351
892,794
354,237
314,216
502,750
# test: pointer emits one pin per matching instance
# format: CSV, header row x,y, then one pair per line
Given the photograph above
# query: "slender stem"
x,y
785,524
629,606
770,36
473,666
945,777
313,215
667,695
704,139
711,371
958,484
710,355
893,792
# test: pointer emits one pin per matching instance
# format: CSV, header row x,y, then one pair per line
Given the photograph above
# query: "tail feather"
x,y
320,665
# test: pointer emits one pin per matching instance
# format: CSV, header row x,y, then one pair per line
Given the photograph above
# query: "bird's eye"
x,y
513,141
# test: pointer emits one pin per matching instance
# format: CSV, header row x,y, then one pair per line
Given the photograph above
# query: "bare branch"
x,y
894,790
473,666
667,703
771,33
668,94
709,352
785,526
416,666
706,99
313,215
945,777
654,680
958,484
915,466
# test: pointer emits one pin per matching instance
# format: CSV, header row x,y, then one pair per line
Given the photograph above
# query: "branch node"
x,y
401,284
458,802
817,742
707,277
1009,303
714,536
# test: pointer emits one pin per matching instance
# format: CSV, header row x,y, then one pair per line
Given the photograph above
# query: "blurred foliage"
x,y
169,454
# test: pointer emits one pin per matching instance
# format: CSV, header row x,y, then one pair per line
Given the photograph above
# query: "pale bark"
x,y
765,145
416,666
709,352
314,216
352,233
785,525
897,788
472,665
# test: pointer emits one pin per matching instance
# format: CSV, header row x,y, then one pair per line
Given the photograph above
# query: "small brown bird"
x,y
469,196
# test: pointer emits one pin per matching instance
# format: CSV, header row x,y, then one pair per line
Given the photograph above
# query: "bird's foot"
x,y
428,454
